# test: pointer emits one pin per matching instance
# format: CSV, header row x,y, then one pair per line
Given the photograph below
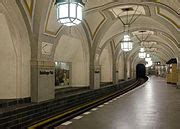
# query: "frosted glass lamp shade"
x,y
147,59
126,44
69,12
142,55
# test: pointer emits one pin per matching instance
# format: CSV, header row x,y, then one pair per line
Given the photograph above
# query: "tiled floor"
x,y
154,106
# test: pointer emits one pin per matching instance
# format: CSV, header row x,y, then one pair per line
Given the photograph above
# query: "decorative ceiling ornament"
x,y
143,36
69,12
127,20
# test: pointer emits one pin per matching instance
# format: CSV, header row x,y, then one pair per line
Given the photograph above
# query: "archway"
x,y
71,50
140,71
15,57
106,66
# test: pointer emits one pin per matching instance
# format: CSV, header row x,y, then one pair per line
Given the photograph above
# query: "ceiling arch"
x,y
159,45
164,29
151,38
101,25
143,24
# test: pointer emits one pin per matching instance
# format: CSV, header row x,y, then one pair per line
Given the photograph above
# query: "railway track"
x,y
75,111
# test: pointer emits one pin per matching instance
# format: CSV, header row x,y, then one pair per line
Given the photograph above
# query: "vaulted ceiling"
x,y
160,19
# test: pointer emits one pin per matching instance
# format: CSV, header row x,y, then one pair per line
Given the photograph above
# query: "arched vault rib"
x,y
162,53
168,52
170,39
83,38
159,46
168,24
161,39
166,45
160,57
138,2
135,2
98,39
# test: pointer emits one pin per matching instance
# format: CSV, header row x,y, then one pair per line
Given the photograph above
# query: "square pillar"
x,y
42,81
178,82
178,72
125,66
96,80
97,77
117,77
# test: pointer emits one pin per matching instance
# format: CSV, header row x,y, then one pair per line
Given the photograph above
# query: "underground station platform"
x,y
136,104
153,105
90,64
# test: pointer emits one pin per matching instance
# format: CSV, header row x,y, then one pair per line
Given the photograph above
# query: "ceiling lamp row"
x,y
69,13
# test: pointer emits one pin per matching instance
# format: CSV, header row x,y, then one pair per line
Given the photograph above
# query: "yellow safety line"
x,y
58,116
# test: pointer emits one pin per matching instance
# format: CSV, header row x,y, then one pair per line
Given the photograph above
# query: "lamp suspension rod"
x,y
121,20
127,18
149,34
142,37
138,38
133,14
136,18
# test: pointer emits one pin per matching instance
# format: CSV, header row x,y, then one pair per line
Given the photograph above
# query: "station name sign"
x,y
46,72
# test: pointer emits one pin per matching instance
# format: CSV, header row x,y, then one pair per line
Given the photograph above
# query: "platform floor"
x,y
156,105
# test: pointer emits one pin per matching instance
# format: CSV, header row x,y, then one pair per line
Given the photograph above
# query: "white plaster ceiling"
x,y
102,25
118,11
67,49
174,4
144,32
150,49
148,44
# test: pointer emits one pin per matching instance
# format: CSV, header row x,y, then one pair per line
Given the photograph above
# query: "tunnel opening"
x,y
140,71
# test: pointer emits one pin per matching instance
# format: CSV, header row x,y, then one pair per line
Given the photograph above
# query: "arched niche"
x,y
15,54
8,62
72,50
105,62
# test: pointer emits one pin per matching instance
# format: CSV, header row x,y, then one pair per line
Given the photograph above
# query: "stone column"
x,y
95,77
178,71
130,67
115,72
125,65
117,77
42,80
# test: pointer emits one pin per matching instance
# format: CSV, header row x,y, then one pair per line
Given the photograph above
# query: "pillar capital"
x,y
42,64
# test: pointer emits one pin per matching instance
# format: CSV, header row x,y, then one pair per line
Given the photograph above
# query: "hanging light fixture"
x,y
69,12
127,20
142,39
148,58
149,64
142,54
126,44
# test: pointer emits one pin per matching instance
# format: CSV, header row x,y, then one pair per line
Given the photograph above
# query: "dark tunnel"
x,y
140,71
